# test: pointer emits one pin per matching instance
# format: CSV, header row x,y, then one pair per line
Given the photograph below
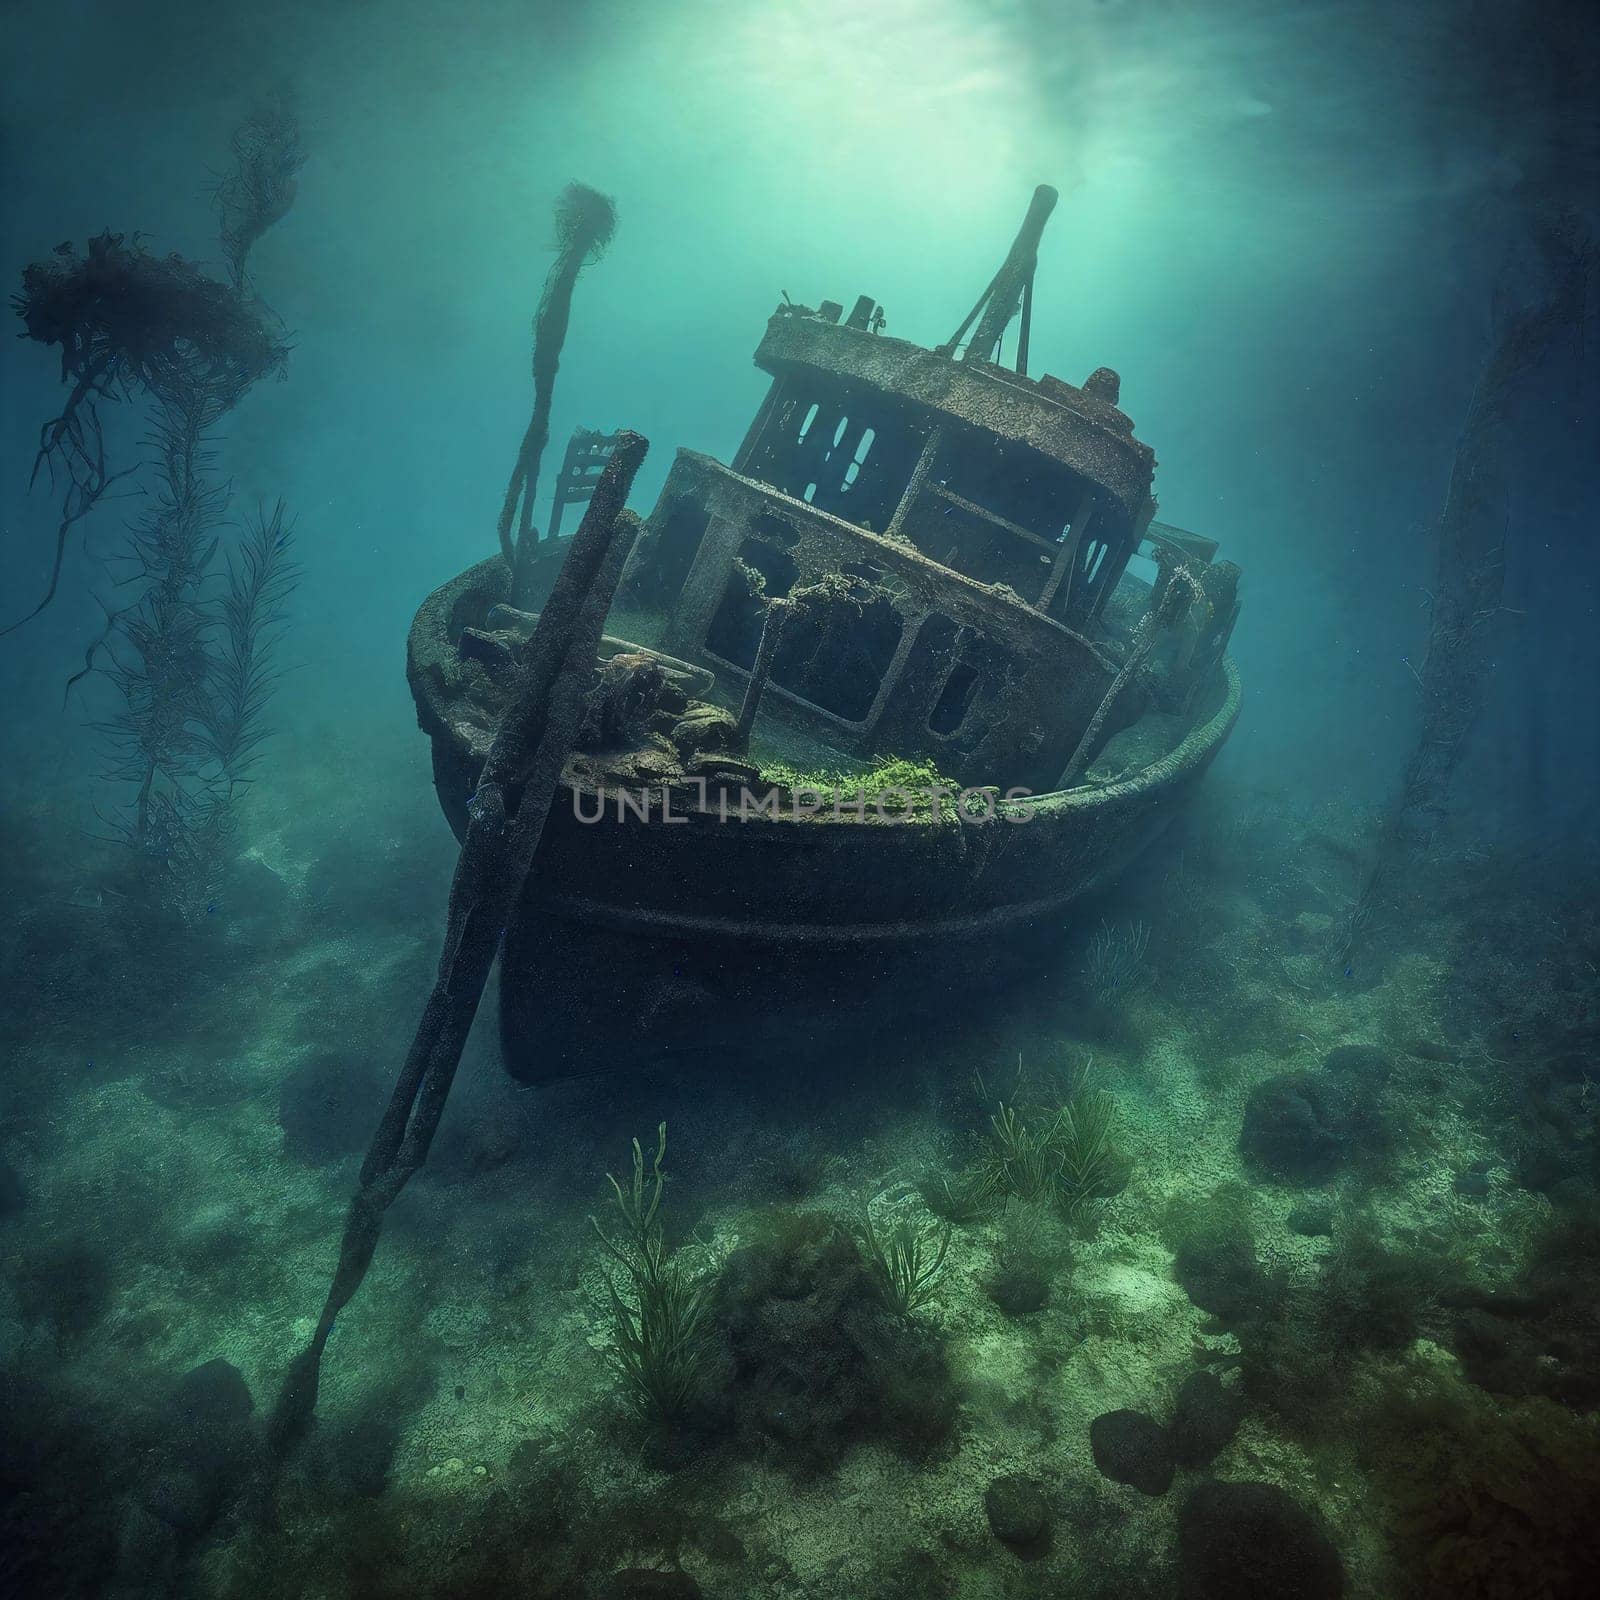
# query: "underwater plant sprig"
x,y
585,221
660,1348
1065,1154
907,1261
193,673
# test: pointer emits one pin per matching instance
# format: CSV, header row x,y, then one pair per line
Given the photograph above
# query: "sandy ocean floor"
x,y
183,1126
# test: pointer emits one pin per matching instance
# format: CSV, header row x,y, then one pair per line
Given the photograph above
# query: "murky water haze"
x,y
1281,227
1248,1204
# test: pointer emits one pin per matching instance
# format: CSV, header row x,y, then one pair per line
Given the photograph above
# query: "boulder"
x,y
1297,1128
1131,1448
1252,1539
1019,1513
1205,1419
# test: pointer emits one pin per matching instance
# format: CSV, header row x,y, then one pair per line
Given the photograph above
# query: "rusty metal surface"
x,y
1061,422
917,554
1054,676
823,880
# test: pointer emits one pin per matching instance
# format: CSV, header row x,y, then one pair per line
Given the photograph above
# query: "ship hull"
x,y
702,899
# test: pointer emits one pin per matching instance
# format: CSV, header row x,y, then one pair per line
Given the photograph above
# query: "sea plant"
x,y
1020,1157
193,670
797,1164
261,576
906,1260
133,324
1116,960
1063,1153
959,1197
658,1316
584,223
1346,930
195,674
896,784
1092,1168
259,190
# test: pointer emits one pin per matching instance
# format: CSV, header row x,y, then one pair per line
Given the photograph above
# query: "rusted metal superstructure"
x,y
916,552
974,523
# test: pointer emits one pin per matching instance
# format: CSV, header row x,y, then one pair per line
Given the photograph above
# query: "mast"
x,y
1011,285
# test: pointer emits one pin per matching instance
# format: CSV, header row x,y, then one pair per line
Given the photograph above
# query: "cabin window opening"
x,y
1144,568
964,713
760,573
777,567
859,460
836,650
775,531
955,699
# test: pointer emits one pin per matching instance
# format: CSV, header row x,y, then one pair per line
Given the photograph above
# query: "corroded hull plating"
x,y
824,879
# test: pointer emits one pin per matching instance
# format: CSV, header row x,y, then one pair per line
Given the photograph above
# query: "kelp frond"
x,y
906,1261
258,192
658,1347
261,577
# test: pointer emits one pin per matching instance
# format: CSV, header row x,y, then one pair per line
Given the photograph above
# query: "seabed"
x,y
1353,1180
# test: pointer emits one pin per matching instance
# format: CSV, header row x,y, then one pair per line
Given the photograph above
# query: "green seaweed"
x,y
659,1349
896,784
1061,1151
906,1262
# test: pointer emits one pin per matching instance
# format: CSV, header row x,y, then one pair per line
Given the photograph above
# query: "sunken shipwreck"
x,y
889,681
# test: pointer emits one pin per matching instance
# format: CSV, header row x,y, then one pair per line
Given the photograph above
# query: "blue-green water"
x,y
1199,1203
